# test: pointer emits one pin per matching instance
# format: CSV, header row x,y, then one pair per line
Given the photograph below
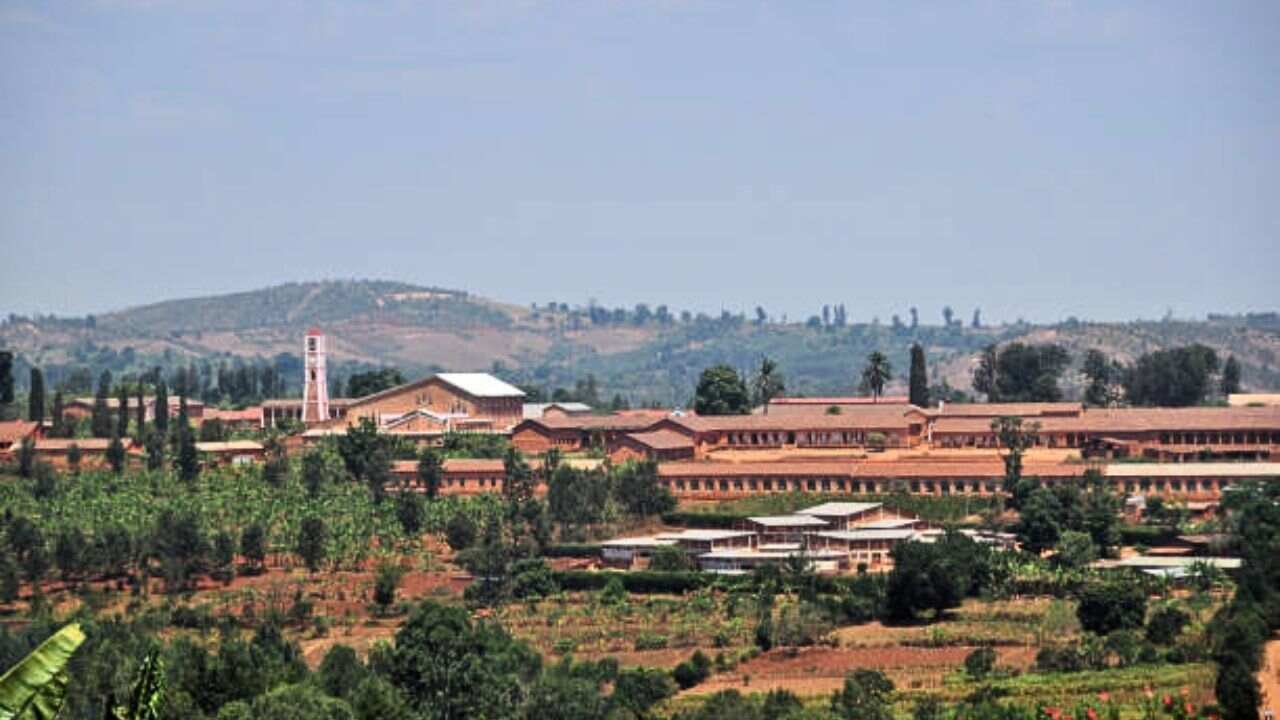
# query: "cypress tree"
x,y
100,423
919,379
187,460
122,422
141,410
162,407
59,418
35,399
6,383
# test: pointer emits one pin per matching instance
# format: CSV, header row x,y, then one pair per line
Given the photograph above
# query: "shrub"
x,y
650,641
979,663
1165,624
692,671
1109,606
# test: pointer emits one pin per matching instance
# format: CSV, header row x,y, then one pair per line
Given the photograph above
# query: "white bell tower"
x,y
315,387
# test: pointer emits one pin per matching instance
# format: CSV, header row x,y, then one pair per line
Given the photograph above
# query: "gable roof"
x,y
537,410
862,417
661,440
840,509
12,431
480,385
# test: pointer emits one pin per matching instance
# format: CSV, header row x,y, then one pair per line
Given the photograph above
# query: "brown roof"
x,y
229,446
1122,420
588,423
662,440
63,444
12,431
871,470
858,418
454,465
882,400
994,410
252,414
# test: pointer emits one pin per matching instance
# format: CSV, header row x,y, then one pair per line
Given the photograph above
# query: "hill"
x,y
646,354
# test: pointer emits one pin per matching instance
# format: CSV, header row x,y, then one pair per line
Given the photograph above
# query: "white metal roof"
x,y
536,410
787,521
701,534
859,535
1164,561
839,509
639,542
481,385
888,524
756,554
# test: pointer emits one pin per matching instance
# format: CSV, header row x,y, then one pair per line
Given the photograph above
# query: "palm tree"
x,y
768,383
877,372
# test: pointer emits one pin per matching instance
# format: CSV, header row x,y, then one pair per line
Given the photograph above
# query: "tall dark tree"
x,y
161,406
915,318
1230,376
918,381
59,417
986,374
35,396
430,468
768,383
116,455
876,374
948,316
1030,373
101,422
1015,437
140,419
1100,373
186,460
721,391
977,318
6,381
122,417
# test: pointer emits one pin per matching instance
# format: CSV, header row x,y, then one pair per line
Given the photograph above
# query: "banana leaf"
x,y
35,688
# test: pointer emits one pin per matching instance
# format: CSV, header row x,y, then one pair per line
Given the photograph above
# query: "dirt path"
x,y
1269,676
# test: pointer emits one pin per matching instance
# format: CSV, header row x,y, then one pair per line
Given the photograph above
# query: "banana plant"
x,y
147,693
36,687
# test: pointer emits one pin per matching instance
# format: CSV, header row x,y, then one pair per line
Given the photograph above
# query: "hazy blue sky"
x,y
1042,159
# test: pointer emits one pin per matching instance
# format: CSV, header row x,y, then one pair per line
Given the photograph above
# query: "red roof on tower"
x,y
313,331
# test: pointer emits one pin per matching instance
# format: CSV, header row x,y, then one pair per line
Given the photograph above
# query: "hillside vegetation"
x,y
647,355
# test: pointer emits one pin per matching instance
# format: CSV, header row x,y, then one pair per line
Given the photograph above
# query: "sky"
x,y
1109,160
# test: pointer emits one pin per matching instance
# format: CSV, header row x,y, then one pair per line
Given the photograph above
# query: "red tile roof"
x,y
453,465
1122,420
863,417
12,431
870,470
662,440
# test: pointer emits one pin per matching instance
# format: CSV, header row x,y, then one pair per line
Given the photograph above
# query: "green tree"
x,y
122,410
26,457
449,668
314,471
187,460
153,444
140,410
721,391
1075,549
430,470
918,379
1038,524
639,689
100,420
979,663
876,373
385,584
987,373
1101,515
313,541
1101,375
6,383
410,512
460,532
638,490
768,383
1104,607
1015,437
373,381
866,695
35,396
1174,377
1230,376
253,546
161,406
341,671
116,455
365,454
59,428
921,580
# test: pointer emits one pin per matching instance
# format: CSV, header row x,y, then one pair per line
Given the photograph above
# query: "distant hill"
x,y
645,353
